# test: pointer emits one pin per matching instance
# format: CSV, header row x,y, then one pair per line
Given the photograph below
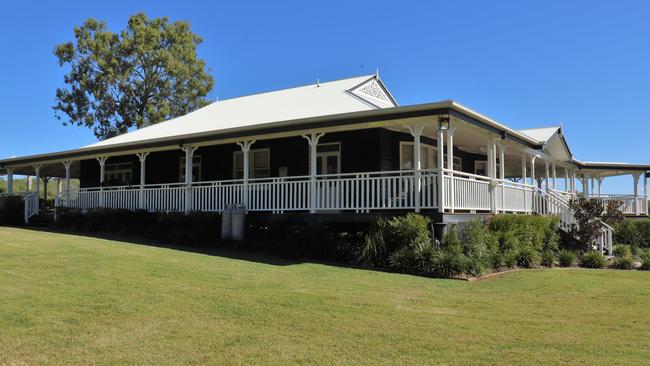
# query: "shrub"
x,y
12,210
644,256
547,259
539,232
527,257
475,239
449,263
496,259
592,259
623,263
411,230
622,250
566,258
418,260
373,251
589,214
510,259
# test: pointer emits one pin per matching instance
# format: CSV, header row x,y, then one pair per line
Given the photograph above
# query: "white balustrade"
x,y
356,191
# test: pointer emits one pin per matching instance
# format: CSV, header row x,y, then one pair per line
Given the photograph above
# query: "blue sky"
x,y
580,63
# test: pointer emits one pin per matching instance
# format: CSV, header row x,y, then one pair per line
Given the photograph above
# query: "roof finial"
x,y
377,73
317,82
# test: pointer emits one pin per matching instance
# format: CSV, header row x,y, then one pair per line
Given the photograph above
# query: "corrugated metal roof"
x,y
320,99
541,134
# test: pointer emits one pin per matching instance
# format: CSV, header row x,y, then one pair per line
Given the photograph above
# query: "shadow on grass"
x,y
224,250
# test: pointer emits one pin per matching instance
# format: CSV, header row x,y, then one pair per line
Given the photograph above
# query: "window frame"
x,y
181,168
108,171
432,157
251,169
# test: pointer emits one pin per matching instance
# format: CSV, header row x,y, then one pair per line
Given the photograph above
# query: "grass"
x,y
75,300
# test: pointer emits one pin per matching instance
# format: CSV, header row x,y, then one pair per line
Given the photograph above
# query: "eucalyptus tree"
x,y
147,73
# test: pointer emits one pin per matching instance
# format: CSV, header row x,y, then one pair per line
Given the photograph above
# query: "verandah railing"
x,y
359,192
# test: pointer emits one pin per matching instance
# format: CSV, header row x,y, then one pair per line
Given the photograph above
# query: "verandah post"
x,y
443,122
10,180
502,173
189,164
312,140
636,177
102,164
523,179
450,166
416,132
66,165
246,148
554,176
143,158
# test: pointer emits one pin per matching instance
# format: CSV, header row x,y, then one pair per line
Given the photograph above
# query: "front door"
x,y
328,164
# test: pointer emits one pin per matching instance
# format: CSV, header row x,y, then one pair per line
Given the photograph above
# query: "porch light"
x,y
443,122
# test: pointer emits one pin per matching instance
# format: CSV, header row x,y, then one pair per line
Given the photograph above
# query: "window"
x,y
428,157
196,169
259,164
480,167
119,172
328,158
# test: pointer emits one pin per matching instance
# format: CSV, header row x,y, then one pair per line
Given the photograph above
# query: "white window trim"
x,y
327,153
181,166
250,166
432,157
108,170
484,162
427,147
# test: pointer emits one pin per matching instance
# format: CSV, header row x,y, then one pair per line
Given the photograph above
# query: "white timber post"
x,y
492,168
554,176
416,132
502,173
546,175
450,166
37,172
66,165
636,177
102,175
10,180
532,170
441,168
645,192
312,140
600,184
143,165
523,179
566,180
189,164
246,148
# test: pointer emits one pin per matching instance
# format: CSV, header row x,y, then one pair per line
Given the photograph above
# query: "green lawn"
x,y
76,300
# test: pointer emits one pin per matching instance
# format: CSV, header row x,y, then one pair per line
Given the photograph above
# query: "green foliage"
x,y
449,263
548,259
193,229
411,230
496,259
12,210
540,232
589,215
635,233
510,259
527,257
417,260
592,259
566,258
622,250
644,256
145,74
373,251
623,263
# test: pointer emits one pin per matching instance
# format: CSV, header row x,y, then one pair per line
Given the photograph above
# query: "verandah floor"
x,y
77,300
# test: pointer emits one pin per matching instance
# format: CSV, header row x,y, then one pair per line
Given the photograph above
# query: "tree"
x,y
143,75
589,215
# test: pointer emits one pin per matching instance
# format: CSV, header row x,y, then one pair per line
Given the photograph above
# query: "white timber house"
x,y
342,149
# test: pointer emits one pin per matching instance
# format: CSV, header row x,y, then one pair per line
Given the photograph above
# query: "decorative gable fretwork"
x,y
371,91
